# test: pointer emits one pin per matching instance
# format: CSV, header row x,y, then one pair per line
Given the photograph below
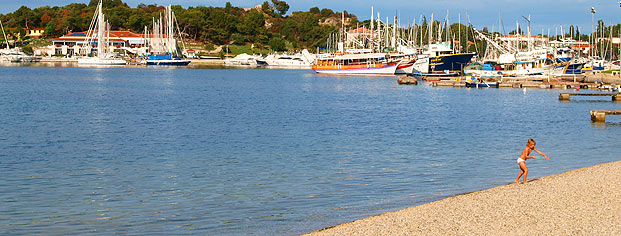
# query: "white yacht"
x,y
244,60
298,60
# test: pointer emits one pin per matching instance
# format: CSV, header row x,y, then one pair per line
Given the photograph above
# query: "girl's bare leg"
x,y
523,169
517,180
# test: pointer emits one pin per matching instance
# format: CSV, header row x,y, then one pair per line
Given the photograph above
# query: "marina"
x,y
270,119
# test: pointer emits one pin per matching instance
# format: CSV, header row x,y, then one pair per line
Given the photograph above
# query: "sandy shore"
x,y
580,202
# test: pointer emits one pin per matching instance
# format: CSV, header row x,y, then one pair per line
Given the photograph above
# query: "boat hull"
x,y
451,63
481,85
405,68
98,61
571,68
168,62
388,69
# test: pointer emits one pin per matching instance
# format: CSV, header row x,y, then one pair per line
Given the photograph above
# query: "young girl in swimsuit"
x,y
530,146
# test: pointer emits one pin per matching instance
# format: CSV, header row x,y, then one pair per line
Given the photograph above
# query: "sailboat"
x,y
14,54
100,37
162,45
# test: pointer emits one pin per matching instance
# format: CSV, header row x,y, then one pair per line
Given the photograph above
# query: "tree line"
x,y
263,26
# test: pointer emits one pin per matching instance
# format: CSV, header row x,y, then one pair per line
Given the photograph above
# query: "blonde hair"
x,y
531,141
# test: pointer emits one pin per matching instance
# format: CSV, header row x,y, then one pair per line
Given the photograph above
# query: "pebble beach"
x,y
585,201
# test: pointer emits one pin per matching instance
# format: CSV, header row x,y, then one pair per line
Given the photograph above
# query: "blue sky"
x,y
545,14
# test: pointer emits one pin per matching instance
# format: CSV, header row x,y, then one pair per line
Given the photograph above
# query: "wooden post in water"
x,y
597,116
600,115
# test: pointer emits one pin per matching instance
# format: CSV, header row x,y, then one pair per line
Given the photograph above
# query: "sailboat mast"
x,y
430,26
5,38
393,41
170,30
100,30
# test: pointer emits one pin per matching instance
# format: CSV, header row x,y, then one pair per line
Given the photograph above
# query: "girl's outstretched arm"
x,y
543,154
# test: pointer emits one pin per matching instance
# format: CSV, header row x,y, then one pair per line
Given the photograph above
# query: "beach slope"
x,y
579,202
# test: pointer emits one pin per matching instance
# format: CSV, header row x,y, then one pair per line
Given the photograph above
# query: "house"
x,y
190,53
36,32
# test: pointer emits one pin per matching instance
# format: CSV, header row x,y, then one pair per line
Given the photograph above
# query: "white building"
x,y
76,43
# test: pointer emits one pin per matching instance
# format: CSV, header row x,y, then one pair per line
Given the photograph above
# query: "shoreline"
x,y
576,202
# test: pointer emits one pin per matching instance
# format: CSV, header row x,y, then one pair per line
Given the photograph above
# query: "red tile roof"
x,y
76,39
113,33
360,30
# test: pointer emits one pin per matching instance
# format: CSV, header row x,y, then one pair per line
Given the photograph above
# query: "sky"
x,y
546,15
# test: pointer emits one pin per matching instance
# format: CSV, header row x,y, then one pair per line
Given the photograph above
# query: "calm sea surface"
x,y
263,152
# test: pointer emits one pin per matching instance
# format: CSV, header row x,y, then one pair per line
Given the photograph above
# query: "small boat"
x,y
477,82
243,60
361,64
166,60
481,85
299,60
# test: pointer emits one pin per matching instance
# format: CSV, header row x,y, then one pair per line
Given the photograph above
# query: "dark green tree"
x,y
314,10
281,7
277,44
253,26
266,8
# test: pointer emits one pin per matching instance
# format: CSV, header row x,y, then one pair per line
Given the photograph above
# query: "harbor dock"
x,y
600,115
565,96
518,83
584,81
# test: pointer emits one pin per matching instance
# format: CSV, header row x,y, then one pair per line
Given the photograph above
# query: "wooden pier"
x,y
600,115
565,96
407,80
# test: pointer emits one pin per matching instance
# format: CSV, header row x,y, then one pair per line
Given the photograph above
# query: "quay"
x,y
600,115
457,82
583,81
407,80
565,96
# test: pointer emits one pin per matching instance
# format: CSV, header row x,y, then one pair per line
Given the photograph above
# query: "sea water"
x,y
172,151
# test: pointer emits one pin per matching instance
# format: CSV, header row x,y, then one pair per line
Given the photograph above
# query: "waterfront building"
x,y
76,43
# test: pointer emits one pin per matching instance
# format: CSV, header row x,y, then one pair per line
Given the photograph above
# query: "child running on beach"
x,y
530,146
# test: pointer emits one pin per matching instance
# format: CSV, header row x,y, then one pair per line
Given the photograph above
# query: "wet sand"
x,y
579,202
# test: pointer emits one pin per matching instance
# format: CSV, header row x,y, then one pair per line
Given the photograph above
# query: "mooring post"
x,y
598,116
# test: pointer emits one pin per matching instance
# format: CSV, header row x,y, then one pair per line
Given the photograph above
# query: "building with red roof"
x,y
76,43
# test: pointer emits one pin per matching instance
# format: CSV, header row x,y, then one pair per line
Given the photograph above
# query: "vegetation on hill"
x,y
264,26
